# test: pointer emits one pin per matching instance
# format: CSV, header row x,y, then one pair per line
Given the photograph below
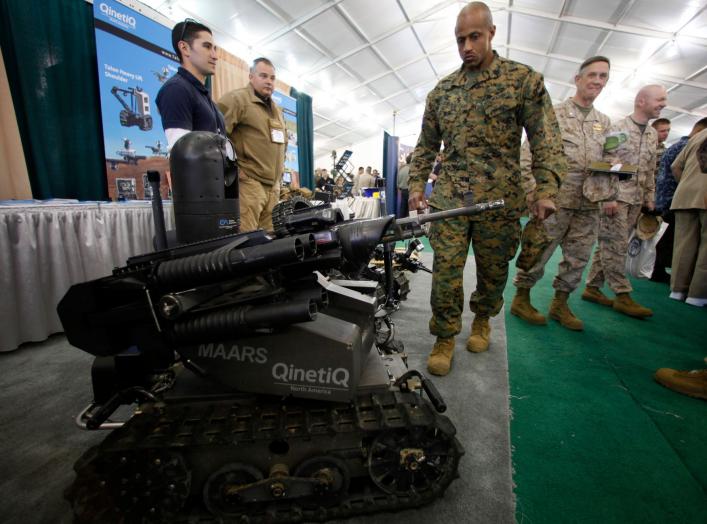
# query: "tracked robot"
x,y
262,391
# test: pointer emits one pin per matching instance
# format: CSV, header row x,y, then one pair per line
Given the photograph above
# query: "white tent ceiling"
x,y
369,64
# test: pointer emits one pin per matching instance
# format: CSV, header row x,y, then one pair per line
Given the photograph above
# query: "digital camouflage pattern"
x,y
583,143
575,230
534,240
609,261
479,116
495,243
640,150
659,151
574,225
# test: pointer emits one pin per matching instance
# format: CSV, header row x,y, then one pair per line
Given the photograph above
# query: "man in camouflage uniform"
x,y
662,127
479,112
615,226
574,226
664,247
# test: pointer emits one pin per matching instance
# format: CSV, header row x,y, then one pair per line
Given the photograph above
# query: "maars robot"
x,y
262,391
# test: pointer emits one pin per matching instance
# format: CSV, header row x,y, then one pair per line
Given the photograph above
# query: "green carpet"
x,y
595,438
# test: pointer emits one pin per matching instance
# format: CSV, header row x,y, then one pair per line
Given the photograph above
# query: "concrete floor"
x,y
45,385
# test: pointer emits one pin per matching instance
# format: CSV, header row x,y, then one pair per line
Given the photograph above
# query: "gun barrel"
x,y
411,226
460,211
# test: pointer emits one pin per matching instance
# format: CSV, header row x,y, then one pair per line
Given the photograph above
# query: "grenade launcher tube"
x,y
228,262
233,321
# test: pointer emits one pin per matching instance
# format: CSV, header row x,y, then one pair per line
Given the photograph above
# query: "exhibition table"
x,y
45,247
365,207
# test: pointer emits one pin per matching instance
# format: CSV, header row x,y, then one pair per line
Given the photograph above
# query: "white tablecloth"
x,y
365,207
47,247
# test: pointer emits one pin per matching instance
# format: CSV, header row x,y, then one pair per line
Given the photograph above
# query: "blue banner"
x,y
289,113
135,57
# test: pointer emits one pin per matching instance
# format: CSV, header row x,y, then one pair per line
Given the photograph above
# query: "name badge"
x,y
277,136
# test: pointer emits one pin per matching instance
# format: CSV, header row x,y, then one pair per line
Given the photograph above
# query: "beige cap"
x,y
647,226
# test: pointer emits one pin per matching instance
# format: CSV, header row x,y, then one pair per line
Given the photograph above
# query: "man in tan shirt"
x,y
256,127
688,280
363,181
691,171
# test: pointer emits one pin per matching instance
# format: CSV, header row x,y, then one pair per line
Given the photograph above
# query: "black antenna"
x,y
153,177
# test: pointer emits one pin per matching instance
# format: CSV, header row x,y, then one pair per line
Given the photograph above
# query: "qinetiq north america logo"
x,y
121,19
227,223
317,377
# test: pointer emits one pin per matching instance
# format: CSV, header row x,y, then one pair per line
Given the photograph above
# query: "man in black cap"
x,y
184,101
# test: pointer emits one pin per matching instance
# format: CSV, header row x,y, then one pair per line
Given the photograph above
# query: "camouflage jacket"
x,y
583,143
638,150
479,117
659,152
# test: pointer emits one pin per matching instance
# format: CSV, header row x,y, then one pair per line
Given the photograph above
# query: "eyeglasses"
x,y
185,24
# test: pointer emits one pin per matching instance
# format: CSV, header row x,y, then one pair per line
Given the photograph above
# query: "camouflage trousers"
x,y
575,231
609,262
494,242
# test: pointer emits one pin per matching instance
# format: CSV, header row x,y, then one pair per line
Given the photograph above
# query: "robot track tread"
x,y
250,460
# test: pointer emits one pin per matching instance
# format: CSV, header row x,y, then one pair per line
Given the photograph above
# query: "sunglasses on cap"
x,y
185,24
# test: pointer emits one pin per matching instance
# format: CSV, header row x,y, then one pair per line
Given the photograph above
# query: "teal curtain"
x,y
305,137
50,55
390,172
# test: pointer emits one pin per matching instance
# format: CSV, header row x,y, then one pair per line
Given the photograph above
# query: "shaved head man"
x,y
479,112
635,146
478,10
474,32
650,101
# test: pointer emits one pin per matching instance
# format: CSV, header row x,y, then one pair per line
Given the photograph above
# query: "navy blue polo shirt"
x,y
185,103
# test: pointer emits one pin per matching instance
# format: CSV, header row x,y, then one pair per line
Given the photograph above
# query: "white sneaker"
x,y
678,295
699,302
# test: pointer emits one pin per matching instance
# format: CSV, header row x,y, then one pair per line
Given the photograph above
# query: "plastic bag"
x,y
640,259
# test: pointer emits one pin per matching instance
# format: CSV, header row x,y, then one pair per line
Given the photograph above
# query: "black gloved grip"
x,y
432,392
106,410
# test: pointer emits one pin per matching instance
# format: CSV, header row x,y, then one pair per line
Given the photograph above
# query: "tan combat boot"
x,y
594,294
478,341
440,360
560,311
692,383
522,308
626,305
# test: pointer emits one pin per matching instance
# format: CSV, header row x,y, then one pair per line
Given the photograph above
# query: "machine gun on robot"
x,y
262,392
